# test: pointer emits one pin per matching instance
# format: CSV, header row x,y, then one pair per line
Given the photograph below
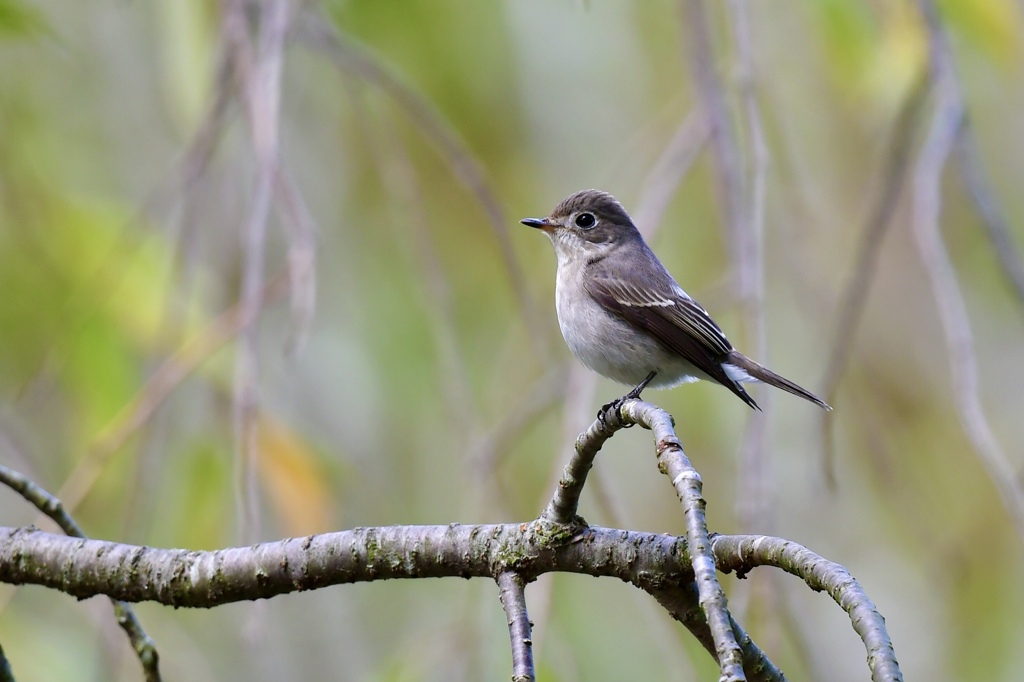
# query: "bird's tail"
x,y
762,373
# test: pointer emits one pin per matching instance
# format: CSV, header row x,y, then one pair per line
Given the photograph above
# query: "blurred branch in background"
x,y
852,300
728,163
662,182
754,498
398,174
318,32
258,69
174,370
945,127
991,213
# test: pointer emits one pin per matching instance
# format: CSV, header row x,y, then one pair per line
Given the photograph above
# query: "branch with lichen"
x,y
680,573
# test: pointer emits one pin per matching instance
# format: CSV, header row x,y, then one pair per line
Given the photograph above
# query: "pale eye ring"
x,y
585,221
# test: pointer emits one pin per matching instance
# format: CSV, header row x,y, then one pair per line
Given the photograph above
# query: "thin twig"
x,y
741,553
851,302
513,599
565,502
673,462
944,129
141,642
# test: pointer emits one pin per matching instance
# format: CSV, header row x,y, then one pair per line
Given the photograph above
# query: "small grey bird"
x,y
623,315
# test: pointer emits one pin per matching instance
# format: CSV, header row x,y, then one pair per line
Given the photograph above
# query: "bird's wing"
x,y
674,319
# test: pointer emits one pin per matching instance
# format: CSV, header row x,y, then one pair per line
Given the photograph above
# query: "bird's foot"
x,y
618,402
616,406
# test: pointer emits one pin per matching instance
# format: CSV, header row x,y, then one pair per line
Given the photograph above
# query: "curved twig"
x,y
141,642
674,463
565,502
741,553
513,599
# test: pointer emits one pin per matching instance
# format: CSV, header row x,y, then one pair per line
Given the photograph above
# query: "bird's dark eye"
x,y
586,221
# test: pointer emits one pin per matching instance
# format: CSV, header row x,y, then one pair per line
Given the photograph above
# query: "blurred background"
x,y
261,275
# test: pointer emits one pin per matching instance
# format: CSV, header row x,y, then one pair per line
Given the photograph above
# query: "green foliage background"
x,y
408,403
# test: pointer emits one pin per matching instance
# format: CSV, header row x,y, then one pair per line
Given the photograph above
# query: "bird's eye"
x,y
586,221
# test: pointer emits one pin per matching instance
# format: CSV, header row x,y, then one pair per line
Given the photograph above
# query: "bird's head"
x,y
586,225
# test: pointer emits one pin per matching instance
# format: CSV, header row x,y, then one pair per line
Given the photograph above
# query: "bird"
x,y
625,317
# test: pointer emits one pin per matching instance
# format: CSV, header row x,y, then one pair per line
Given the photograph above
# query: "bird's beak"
x,y
545,224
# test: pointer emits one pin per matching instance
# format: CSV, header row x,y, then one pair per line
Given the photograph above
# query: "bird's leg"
x,y
632,395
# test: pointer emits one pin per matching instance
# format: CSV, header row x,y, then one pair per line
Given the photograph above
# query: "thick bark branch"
x,y
184,578
658,564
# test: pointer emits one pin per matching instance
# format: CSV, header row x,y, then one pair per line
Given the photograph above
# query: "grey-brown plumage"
x,y
624,316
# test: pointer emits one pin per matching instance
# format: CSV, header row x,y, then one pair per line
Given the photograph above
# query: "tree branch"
x,y
683,604
141,642
674,463
183,578
513,600
741,553
682,581
658,564
992,216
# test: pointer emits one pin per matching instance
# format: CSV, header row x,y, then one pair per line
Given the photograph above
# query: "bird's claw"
x,y
617,406
617,403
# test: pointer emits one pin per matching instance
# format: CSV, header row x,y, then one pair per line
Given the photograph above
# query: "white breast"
x,y
607,344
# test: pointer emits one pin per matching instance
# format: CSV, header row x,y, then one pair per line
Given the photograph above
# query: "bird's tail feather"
x,y
762,373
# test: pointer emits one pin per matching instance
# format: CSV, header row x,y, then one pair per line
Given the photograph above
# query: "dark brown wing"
x,y
676,321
